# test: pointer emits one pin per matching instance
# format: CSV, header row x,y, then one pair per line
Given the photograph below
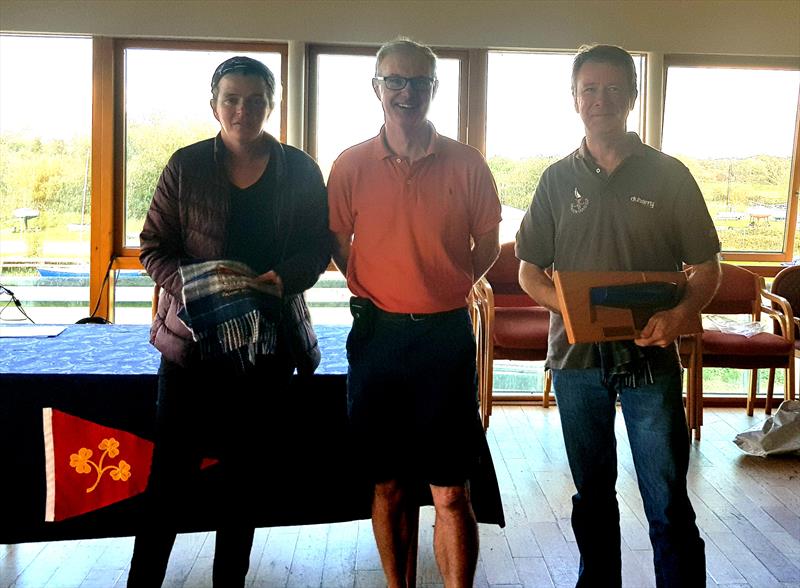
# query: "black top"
x,y
252,226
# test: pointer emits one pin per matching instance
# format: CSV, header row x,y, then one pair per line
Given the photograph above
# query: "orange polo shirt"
x,y
411,223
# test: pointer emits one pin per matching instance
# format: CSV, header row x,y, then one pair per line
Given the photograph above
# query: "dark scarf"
x,y
623,363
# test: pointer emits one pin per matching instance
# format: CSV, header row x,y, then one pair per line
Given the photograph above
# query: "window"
x,y
733,125
531,122
344,110
45,187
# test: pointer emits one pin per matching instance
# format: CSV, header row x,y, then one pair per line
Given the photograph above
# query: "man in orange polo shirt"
x,y
416,219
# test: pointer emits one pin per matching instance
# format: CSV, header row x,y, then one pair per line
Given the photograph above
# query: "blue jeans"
x,y
659,441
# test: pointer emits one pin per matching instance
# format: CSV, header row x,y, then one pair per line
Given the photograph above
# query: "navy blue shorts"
x,y
412,397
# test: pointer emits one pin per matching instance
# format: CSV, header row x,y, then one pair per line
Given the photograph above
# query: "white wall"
x,y
745,27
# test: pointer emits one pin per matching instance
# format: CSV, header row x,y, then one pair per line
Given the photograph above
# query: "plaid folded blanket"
x,y
225,313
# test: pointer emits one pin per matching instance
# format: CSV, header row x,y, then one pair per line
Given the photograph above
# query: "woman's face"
x,y
241,107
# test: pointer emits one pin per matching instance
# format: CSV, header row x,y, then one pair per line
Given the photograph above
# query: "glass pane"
x,y
531,122
167,94
734,129
342,123
45,181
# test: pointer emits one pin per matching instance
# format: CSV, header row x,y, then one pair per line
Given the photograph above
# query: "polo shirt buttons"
x,y
399,160
597,170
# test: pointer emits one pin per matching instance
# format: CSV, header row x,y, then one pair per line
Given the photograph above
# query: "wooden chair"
x,y
689,349
154,303
478,313
742,292
787,285
514,326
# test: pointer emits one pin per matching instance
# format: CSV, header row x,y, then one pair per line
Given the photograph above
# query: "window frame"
x,y
751,62
313,51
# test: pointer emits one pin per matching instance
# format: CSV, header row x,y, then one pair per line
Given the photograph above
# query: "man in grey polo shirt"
x,y
616,204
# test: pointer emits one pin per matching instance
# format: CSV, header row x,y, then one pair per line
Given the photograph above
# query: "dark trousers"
x,y
211,409
659,443
412,396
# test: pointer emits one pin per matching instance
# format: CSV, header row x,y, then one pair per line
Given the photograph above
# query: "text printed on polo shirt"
x,y
643,202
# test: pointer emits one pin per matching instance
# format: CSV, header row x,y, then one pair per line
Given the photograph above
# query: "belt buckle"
x,y
414,318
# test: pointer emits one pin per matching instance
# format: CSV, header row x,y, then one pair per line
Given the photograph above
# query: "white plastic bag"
x,y
778,434
718,322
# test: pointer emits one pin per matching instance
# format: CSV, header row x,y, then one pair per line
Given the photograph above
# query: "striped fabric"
x,y
226,313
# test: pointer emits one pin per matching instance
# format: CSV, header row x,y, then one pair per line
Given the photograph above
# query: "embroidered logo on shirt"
x,y
643,202
579,204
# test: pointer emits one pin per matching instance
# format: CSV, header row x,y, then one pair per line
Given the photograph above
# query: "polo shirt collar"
x,y
637,147
380,149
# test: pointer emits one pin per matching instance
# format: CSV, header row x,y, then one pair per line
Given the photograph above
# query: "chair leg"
x,y
751,395
697,395
488,375
690,411
771,385
771,389
546,393
694,387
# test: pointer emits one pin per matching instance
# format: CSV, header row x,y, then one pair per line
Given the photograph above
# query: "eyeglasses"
x,y
420,83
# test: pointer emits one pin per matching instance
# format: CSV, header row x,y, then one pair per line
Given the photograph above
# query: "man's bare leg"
x,y
455,536
395,523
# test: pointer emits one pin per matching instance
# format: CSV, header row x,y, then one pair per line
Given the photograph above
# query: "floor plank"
x,y
748,510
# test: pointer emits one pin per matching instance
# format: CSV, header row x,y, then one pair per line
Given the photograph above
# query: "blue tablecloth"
x,y
122,350
107,374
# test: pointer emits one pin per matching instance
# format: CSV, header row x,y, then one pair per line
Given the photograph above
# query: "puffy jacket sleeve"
x,y
162,251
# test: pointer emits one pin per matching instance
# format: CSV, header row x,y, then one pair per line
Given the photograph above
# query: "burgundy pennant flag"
x,y
89,466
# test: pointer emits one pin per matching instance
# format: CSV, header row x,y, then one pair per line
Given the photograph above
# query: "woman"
x,y
239,200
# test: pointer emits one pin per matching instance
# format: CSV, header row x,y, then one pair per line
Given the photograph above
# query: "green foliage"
x,y
517,178
50,175
45,175
148,149
758,180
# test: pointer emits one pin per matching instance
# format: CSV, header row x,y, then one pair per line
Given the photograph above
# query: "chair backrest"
x,y
738,293
503,276
787,285
154,303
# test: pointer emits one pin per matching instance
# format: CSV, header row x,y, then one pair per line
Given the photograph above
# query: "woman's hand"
x,y
269,283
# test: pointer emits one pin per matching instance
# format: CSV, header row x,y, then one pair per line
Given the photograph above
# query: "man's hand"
x,y
342,242
663,327
485,251
538,285
269,283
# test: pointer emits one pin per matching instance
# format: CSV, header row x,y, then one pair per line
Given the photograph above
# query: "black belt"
x,y
417,316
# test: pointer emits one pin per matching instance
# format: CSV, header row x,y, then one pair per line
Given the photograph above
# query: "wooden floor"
x,y
748,511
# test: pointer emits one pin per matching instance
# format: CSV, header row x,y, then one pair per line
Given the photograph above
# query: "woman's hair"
x,y
610,54
246,66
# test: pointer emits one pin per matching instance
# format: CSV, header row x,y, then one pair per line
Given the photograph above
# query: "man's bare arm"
x,y
538,285
341,250
485,250
663,327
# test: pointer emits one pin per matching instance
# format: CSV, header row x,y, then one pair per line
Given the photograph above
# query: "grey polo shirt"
x,y
648,215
